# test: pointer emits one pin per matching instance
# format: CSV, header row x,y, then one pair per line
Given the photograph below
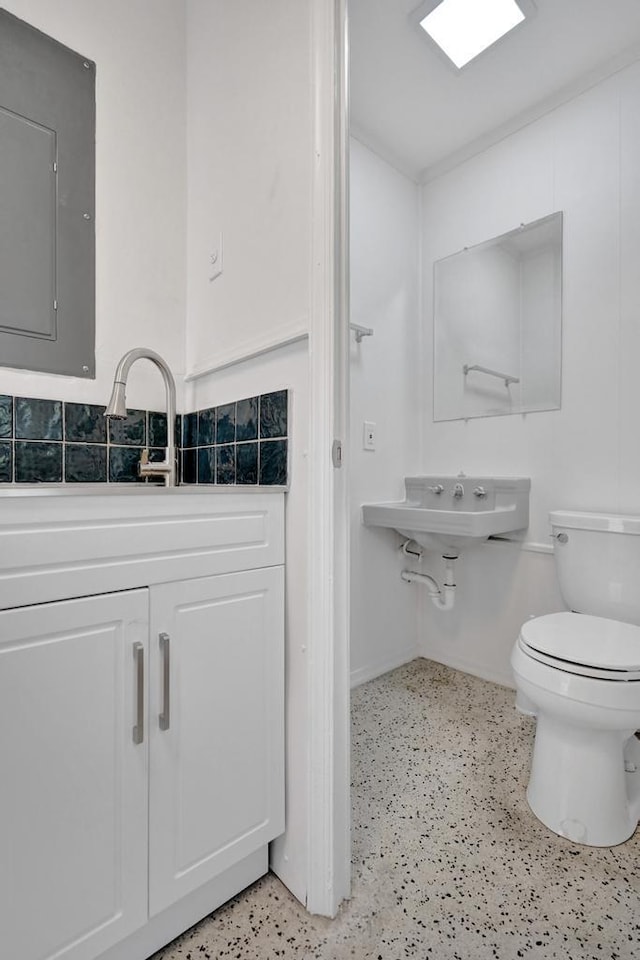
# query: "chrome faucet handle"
x,y
458,491
480,492
436,488
158,468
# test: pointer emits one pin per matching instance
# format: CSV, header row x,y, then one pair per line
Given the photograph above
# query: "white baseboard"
x,y
503,678
373,670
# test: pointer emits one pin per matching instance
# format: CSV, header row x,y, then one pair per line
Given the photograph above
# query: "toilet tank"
x,y
598,563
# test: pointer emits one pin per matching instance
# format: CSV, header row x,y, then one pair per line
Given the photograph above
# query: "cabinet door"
x,y
217,756
73,784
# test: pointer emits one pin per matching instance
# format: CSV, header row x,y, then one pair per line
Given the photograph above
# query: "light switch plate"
x,y
369,435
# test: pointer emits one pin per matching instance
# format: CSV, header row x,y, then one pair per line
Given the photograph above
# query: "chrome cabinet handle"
x,y
138,656
165,649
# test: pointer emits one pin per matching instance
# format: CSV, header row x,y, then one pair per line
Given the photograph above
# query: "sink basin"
x,y
438,519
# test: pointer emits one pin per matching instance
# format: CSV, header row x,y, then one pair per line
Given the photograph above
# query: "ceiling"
x,y
415,109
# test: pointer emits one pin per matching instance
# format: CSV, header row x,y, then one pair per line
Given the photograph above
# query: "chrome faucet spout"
x,y
117,410
117,406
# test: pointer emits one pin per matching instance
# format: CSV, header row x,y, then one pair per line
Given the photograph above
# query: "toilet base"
x,y
525,706
579,787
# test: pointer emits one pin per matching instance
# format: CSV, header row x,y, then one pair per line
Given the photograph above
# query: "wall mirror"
x,y
498,324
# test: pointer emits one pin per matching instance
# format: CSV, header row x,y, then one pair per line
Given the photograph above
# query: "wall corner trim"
x,y
329,807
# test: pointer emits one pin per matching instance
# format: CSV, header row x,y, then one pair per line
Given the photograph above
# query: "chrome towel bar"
x,y
467,368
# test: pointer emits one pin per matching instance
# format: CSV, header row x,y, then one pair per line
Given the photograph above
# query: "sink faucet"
x,y
117,410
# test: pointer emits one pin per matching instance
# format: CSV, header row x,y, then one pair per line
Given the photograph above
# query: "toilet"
x,y
579,674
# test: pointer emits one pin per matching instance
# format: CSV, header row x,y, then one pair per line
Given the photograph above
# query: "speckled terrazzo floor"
x,y
448,862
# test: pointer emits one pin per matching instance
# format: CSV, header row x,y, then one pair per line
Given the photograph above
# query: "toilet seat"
x,y
584,645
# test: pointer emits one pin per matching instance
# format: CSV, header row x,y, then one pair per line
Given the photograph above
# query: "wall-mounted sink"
x,y
448,513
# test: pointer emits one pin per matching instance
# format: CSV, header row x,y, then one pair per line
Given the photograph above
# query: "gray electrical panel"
x,y
47,203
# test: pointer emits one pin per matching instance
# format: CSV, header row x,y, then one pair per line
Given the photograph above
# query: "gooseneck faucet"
x,y
117,410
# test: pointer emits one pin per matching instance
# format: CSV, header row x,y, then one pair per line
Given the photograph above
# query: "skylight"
x,y
464,28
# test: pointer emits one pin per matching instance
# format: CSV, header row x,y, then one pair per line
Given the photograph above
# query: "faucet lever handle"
x,y
560,537
143,463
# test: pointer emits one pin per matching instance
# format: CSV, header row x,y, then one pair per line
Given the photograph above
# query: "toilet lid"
x,y
594,643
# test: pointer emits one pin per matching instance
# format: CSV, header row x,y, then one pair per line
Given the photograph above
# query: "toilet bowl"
x,y
579,675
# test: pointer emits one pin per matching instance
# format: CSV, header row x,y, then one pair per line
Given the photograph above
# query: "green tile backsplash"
x,y
51,441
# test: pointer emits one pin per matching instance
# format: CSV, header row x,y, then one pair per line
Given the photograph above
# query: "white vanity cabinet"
x,y
216,656
141,729
73,784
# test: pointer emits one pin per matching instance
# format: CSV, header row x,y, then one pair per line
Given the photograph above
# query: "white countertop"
x,y
129,489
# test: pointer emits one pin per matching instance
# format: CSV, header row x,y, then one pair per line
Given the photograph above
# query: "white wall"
x,y
250,166
583,159
139,50
385,389
249,81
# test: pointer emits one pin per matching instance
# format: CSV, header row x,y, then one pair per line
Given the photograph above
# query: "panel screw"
x,y
85,368
87,216
86,65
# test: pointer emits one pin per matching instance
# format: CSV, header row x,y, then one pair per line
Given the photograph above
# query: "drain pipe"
x,y
443,598
417,551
